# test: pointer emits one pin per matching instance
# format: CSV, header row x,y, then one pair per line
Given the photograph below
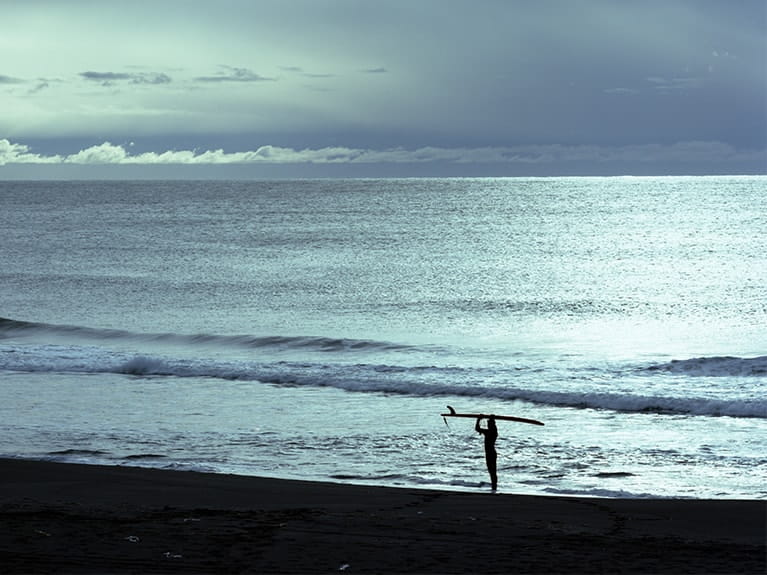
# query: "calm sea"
x,y
316,329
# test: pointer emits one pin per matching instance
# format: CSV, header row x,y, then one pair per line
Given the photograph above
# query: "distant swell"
x,y
78,452
11,327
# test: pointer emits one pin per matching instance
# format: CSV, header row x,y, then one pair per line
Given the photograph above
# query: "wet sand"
x,y
65,518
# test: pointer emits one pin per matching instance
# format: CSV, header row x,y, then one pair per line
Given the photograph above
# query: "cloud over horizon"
x,y
113,154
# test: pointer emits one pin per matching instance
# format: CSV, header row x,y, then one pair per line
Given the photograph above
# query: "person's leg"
x,y
491,469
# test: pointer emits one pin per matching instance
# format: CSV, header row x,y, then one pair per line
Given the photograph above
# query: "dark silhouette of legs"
x,y
491,469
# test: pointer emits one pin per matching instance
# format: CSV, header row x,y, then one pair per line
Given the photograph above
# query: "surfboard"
x,y
497,417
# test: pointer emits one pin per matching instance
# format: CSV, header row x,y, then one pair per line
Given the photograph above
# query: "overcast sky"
x,y
382,87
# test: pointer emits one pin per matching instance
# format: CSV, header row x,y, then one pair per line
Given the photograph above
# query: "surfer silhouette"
x,y
490,434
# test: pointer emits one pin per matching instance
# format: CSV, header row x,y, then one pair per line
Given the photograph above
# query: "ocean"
x,y
317,329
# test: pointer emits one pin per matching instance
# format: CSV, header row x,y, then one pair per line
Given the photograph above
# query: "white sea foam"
x,y
610,493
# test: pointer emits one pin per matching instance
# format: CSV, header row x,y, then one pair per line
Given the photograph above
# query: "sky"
x,y
304,88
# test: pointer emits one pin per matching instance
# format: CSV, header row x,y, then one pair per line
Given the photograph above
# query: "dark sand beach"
x,y
67,518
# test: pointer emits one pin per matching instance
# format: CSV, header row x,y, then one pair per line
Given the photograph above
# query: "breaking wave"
x,y
424,381
725,366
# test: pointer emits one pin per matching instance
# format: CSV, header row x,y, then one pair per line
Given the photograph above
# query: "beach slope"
x,y
68,518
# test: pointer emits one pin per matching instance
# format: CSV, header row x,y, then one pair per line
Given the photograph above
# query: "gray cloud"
x,y
10,80
41,85
111,78
621,91
300,71
234,74
670,85
316,75
105,76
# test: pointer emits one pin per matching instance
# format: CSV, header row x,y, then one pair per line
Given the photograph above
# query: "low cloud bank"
x,y
111,154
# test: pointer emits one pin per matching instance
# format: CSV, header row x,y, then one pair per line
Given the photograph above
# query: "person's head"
x,y
491,421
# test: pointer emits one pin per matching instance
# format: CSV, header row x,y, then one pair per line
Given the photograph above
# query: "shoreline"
x,y
75,518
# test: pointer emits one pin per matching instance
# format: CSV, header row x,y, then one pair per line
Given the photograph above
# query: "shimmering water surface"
x,y
316,329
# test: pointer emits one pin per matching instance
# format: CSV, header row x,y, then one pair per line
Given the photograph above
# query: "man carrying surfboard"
x,y
490,434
